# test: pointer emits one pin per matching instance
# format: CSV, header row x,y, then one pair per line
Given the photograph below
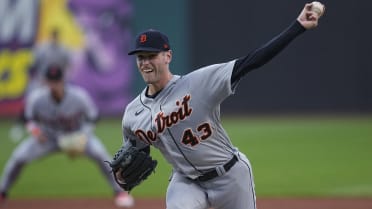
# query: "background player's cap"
x,y
151,41
54,73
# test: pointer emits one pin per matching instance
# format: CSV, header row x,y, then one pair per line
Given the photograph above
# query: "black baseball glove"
x,y
130,166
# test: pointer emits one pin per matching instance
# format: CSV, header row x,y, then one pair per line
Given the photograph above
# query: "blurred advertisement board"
x,y
96,33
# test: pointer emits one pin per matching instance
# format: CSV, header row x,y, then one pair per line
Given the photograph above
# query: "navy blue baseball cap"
x,y
54,73
151,41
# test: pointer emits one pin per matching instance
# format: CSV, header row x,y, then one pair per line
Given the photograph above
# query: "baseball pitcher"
x,y
180,115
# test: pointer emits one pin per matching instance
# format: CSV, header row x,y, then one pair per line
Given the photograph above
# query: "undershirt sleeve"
x,y
266,52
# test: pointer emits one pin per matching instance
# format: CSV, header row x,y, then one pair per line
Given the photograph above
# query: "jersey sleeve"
x,y
31,103
90,109
266,52
128,135
213,82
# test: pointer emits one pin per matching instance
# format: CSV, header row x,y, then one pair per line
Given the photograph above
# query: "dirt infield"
x,y
262,203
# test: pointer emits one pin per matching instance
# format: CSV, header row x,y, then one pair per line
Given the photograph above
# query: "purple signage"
x,y
97,34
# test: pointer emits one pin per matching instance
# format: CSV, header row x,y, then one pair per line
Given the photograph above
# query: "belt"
x,y
213,173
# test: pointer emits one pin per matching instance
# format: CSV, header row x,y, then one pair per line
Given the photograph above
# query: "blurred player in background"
x,y
46,53
60,118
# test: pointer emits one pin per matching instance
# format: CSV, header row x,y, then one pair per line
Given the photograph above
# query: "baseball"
x,y
318,8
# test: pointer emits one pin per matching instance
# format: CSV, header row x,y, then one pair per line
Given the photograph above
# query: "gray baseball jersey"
x,y
47,54
183,121
75,112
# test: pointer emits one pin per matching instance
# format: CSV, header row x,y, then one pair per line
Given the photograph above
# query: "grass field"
x,y
293,156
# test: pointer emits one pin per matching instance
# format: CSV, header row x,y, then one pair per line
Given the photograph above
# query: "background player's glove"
x,y
130,166
73,143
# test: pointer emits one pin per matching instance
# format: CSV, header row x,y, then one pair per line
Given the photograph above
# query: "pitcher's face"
x,y
154,67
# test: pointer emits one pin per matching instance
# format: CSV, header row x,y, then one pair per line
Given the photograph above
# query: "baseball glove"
x,y
130,166
73,143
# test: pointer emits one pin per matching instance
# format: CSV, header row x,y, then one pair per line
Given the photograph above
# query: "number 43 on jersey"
x,y
191,138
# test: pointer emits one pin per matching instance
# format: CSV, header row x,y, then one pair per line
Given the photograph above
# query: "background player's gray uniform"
x,y
46,54
76,112
183,122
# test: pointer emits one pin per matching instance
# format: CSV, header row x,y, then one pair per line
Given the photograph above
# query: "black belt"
x,y
213,173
